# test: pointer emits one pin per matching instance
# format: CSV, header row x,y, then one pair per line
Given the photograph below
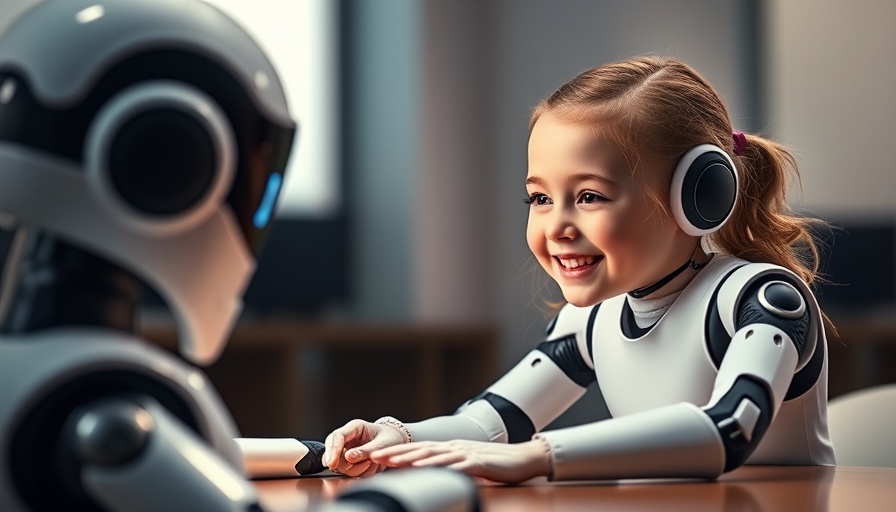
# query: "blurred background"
x,y
397,279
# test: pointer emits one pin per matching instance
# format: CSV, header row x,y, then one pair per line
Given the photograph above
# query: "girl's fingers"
x,y
335,443
440,459
402,449
408,457
373,470
356,469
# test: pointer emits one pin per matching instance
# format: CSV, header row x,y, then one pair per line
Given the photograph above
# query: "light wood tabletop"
x,y
747,489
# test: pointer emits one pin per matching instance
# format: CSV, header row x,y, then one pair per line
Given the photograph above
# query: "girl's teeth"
x,y
577,262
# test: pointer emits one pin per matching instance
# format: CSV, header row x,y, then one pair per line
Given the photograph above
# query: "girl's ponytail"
x,y
762,226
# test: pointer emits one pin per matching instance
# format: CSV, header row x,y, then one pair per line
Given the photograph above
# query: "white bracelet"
x,y
397,425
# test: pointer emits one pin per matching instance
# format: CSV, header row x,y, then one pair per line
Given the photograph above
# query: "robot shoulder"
x,y
568,342
760,293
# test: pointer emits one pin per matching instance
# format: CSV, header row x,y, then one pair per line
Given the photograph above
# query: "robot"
x,y
141,143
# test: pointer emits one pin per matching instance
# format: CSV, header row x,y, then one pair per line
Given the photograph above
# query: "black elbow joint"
x,y
742,417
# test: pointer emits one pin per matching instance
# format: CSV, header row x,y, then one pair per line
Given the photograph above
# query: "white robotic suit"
x,y
734,372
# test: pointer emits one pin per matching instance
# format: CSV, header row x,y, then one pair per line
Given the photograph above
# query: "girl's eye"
x,y
537,199
591,197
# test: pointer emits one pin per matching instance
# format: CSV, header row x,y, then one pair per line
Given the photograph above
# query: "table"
x,y
747,489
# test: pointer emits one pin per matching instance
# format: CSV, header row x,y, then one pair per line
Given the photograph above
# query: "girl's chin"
x,y
582,299
585,296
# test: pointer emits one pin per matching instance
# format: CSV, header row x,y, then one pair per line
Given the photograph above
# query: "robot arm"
x,y
281,457
135,455
772,339
532,394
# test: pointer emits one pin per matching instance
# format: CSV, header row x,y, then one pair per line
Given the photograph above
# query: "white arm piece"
x,y
479,421
674,441
520,403
527,398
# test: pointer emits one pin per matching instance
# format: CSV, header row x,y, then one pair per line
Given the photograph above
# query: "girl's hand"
x,y
508,463
347,448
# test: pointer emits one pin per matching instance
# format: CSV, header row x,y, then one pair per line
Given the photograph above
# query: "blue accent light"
x,y
266,208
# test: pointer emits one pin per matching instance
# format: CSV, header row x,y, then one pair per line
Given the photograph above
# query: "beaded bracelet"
x,y
397,425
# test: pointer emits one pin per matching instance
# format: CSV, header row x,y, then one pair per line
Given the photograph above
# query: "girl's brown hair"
x,y
661,106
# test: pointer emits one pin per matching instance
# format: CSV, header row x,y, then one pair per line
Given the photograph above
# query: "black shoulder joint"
x,y
565,353
775,300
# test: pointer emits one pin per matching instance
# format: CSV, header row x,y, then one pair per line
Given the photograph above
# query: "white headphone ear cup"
x,y
704,190
160,156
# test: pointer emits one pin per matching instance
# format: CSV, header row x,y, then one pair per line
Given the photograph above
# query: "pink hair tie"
x,y
740,143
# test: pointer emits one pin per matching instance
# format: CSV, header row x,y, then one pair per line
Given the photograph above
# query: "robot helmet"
x,y
155,139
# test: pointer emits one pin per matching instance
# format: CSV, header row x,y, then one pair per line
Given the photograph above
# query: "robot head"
x,y
154,133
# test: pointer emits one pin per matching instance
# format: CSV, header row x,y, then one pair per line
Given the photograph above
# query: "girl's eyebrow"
x,y
575,178
587,176
534,180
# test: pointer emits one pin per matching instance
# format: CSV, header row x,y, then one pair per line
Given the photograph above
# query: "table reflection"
x,y
748,489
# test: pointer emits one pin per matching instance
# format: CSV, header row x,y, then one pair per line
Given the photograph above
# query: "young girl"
x,y
686,277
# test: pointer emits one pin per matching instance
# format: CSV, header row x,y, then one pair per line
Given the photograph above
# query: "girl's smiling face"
x,y
593,225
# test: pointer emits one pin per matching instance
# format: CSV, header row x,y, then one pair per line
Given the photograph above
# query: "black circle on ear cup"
x,y
708,191
160,156
703,191
162,162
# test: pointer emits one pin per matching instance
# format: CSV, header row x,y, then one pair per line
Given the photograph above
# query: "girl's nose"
x,y
561,227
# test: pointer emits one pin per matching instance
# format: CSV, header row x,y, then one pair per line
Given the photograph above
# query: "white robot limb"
x,y
141,142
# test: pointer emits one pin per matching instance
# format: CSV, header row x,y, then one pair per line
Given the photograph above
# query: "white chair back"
x,y
862,426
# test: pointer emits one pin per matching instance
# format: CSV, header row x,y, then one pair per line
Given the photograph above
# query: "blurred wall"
x,y
830,90
381,87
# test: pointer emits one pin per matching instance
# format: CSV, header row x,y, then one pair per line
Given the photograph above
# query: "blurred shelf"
x,y
864,353
288,377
